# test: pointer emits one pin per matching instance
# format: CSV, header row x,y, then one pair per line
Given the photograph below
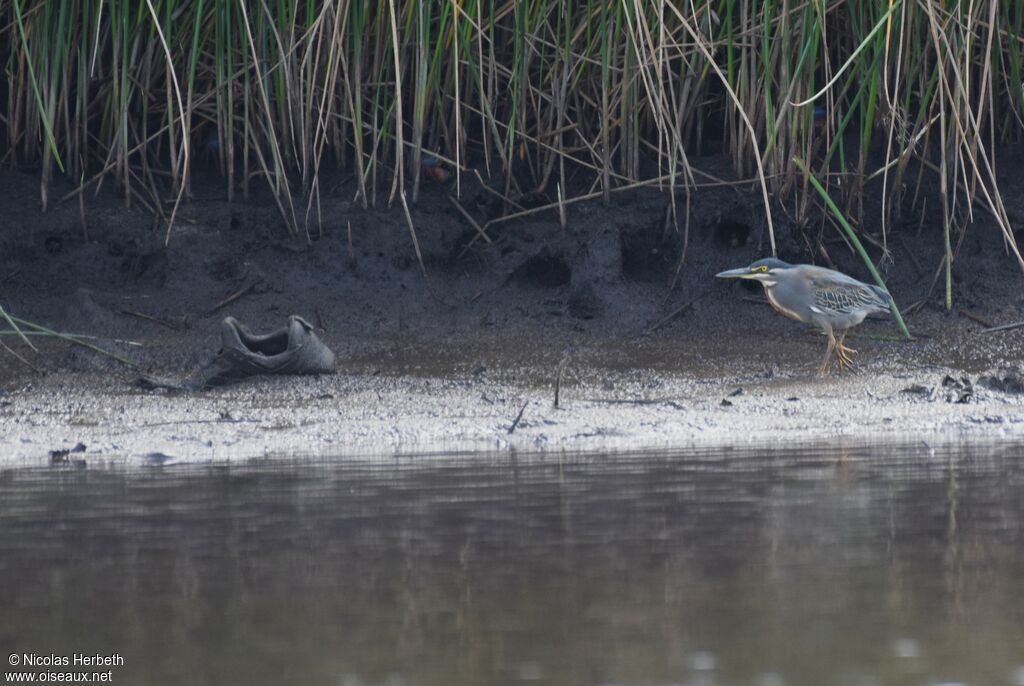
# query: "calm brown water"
x,y
859,566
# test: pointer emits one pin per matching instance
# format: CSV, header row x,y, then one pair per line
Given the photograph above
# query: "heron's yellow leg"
x,y
828,354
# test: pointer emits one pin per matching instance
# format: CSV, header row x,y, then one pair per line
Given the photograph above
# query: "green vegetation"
x,y
627,92
32,329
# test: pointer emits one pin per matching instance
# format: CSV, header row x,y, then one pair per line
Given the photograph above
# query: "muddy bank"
x,y
448,360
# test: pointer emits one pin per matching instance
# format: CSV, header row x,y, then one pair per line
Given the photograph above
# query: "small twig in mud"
x,y
21,359
231,298
10,276
913,258
415,241
674,313
938,272
561,208
561,372
1005,327
641,401
975,318
169,323
519,417
671,216
667,221
419,255
81,206
320,319
351,249
469,218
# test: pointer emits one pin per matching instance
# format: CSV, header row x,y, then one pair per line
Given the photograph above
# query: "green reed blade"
x,y
852,235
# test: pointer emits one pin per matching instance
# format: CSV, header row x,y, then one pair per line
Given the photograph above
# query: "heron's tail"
x,y
884,299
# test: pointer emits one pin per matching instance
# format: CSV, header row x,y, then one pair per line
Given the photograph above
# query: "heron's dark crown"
x,y
771,263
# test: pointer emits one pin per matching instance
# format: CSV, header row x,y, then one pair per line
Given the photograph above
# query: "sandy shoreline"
x,y
600,409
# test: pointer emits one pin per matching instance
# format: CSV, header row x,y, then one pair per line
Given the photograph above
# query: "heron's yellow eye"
x,y
762,268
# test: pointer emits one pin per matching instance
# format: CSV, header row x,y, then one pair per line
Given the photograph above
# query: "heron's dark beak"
x,y
741,273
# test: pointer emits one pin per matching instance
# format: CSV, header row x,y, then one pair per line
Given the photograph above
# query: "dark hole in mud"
x,y
224,268
584,303
402,262
534,200
732,233
649,255
149,265
543,270
54,245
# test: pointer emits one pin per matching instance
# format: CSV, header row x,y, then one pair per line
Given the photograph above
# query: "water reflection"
x,y
884,565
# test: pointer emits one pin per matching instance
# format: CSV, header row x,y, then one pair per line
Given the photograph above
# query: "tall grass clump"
x,y
541,96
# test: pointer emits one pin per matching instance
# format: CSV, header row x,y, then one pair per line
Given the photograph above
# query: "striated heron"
x,y
831,300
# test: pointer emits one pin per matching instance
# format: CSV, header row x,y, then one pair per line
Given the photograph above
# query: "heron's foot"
x,y
844,358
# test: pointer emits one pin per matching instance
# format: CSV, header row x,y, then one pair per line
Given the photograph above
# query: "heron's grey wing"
x,y
845,298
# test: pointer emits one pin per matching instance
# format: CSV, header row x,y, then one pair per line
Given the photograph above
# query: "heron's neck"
x,y
775,303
